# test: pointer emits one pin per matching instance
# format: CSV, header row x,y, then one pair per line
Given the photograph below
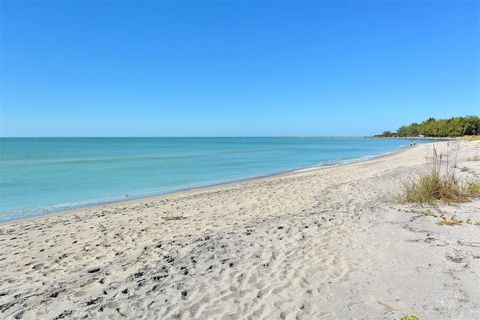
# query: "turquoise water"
x,y
43,175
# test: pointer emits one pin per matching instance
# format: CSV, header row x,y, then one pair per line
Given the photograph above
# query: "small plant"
x,y
428,213
473,188
449,222
434,187
440,183
443,220
409,318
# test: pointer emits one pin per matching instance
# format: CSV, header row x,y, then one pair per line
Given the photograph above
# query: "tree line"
x,y
453,127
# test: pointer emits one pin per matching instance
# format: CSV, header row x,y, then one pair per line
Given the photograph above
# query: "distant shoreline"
x,y
368,137
420,138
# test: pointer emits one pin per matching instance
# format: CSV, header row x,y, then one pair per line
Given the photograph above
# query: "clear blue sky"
x,y
235,69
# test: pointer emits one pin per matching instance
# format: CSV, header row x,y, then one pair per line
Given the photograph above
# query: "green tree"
x,y
453,127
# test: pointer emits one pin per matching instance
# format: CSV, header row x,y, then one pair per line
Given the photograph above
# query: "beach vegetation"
x,y
449,222
453,127
433,187
473,189
439,183
444,220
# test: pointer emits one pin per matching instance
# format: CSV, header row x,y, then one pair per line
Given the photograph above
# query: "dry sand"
x,y
329,243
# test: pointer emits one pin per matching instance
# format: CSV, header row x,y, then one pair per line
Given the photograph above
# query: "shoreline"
x,y
100,203
328,243
422,138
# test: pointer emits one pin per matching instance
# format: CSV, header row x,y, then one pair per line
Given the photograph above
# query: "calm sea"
x,y
44,175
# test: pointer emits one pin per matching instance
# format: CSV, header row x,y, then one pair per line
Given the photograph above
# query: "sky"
x,y
151,68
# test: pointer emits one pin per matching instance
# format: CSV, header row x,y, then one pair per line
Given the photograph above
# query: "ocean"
x,y
44,175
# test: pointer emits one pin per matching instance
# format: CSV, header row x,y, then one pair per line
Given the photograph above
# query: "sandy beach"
x,y
328,243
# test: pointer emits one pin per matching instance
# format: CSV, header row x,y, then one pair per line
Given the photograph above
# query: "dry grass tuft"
x,y
386,306
443,220
474,158
448,222
439,184
434,187
473,189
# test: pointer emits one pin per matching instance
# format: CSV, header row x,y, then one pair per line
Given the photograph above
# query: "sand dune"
x,y
323,244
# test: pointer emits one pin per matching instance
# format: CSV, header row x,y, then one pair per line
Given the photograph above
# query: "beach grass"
x,y
439,183
433,187
473,189
449,222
